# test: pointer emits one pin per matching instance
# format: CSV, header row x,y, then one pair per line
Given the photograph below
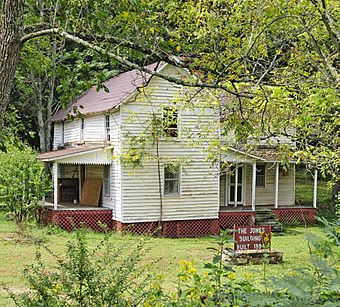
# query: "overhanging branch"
x,y
131,65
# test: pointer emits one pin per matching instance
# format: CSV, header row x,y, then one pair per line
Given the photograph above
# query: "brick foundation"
x,y
227,220
172,229
74,219
295,215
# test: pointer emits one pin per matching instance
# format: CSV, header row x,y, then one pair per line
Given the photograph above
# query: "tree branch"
x,y
131,65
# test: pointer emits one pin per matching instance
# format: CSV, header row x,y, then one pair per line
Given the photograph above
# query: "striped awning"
x,y
79,155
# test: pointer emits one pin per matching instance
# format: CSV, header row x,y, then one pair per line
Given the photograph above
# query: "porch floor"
x,y
71,206
232,208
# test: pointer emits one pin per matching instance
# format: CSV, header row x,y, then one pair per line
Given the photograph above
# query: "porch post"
x,y
55,185
80,179
315,187
236,185
253,190
277,185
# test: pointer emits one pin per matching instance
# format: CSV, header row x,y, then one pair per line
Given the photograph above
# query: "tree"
x,y
23,181
269,52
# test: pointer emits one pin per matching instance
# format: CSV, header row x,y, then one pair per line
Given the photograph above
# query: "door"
x,y
231,191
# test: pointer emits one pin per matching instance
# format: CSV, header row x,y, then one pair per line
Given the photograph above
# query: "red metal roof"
x,y
120,87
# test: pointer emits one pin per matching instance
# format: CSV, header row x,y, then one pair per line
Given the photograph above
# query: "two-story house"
x,y
176,181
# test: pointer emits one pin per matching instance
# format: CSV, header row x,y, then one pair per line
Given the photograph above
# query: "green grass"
x,y
163,254
304,196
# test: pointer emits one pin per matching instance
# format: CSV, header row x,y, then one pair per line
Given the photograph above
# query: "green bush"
x,y
99,276
22,181
106,276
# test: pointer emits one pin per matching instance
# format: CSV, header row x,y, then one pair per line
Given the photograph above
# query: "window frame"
x,y
167,130
263,166
82,129
62,133
107,127
107,171
178,179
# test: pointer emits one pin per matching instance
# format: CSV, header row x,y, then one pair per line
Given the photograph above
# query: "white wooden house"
x,y
197,199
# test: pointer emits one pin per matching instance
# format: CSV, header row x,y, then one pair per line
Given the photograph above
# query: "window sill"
x,y
172,195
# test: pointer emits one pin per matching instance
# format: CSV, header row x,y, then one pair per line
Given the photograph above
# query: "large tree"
x,y
276,61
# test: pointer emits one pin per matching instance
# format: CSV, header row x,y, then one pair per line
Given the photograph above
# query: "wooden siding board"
x,y
57,136
115,187
199,197
266,195
94,128
72,131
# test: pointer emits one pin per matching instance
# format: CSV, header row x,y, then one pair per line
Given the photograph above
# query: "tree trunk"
x,y
159,187
11,18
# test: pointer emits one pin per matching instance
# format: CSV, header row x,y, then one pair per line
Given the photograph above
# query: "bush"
x,y
23,182
105,276
99,276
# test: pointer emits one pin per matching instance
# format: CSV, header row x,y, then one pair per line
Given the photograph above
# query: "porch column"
x,y
80,179
236,185
277,185
315,187
253,190
55,185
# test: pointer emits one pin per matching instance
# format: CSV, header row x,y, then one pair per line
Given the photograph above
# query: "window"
x,y
260,175
82,128
171,180
62,134
107,127
170,122
106,180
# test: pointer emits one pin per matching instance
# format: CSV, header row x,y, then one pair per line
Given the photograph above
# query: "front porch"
x,y
257,181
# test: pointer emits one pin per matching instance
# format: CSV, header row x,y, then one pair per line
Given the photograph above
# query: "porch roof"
x,y
262,155
79,155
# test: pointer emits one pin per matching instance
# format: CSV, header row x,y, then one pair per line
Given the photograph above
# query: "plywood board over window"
x,y
90,192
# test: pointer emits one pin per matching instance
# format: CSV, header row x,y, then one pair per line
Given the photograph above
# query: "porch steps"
x,y
266,217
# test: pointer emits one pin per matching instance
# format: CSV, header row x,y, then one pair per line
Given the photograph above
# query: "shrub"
x,y
99,276
22,181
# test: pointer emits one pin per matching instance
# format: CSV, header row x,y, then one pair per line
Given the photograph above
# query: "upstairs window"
x,y
107,128
62,134
170,122
171,180
260,175
82,129
106,180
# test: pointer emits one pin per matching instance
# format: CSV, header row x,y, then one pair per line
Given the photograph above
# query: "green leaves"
x,y
23,181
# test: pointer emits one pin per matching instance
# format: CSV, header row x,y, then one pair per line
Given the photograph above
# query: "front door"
x,y
232,177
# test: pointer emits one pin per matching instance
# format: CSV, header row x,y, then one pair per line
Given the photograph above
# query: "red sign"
x,y
252,237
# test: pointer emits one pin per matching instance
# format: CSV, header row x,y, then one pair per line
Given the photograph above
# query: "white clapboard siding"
x,y
94,129
94,171
115,184
199,198
72,131
266,195
57,136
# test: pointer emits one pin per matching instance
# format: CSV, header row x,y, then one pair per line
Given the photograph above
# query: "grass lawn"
x,y
163,255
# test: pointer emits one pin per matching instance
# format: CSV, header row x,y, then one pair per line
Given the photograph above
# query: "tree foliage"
x,y
23,181
278,61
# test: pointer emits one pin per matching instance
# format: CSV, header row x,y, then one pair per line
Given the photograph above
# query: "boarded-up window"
x,y
171,180
107,127
170,122
260,175
106,180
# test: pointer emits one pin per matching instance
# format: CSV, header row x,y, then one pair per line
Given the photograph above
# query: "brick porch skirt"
x,y
99,220
296,215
